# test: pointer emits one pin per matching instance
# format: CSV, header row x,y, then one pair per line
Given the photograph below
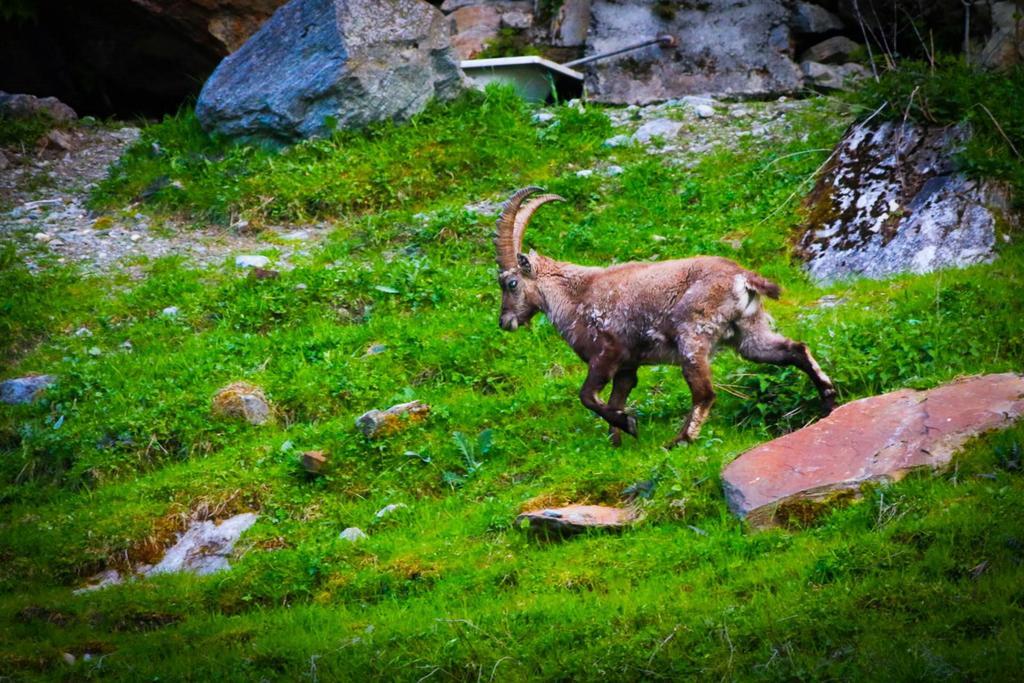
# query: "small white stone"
x,y
94,351
170,311
301,286
352,534
585,173
83,332
614,170
135,237
658,238
704,111
42,237
251,261
617,141
542,117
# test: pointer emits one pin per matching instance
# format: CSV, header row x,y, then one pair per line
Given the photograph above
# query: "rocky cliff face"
x,y
220,26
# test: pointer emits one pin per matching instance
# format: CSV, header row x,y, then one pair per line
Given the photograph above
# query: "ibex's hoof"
x,y
615,436
631,427
683,439
828,404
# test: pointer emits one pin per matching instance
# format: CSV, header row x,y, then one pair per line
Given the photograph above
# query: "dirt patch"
x,y
44,212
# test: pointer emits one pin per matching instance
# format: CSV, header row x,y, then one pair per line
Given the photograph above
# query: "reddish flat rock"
x,y
879,438
573,519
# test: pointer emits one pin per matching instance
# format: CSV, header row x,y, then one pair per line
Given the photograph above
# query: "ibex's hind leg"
x,y
696,355
759,342
623,383
600,373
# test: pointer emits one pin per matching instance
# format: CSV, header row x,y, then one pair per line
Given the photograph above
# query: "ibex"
x,y
624,316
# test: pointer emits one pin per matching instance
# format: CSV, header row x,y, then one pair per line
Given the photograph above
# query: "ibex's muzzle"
x,y
509,322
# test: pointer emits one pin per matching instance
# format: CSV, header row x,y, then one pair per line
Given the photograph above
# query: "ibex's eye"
x,y
512,284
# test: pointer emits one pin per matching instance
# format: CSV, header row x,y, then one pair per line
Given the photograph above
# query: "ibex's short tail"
x,y
763,285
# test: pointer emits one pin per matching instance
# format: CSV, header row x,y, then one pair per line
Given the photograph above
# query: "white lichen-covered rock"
x,y
732,47
204,547
891,201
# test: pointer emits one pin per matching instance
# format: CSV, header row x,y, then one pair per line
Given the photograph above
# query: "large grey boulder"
x,y
891,201
320,63
733,47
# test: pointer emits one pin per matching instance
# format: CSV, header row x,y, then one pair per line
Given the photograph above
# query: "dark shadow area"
x,y
103,57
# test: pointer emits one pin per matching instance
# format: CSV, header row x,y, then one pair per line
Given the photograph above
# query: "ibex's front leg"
x,y
696,354
601,371
623,383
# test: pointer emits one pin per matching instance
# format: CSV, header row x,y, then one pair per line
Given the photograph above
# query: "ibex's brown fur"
x,y
624,316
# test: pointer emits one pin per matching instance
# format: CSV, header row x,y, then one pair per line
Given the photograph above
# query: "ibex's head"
x,y
520,299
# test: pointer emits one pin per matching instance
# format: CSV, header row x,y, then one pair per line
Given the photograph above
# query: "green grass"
x,y
919,580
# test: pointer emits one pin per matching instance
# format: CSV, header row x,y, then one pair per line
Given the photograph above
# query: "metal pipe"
x,y
664,40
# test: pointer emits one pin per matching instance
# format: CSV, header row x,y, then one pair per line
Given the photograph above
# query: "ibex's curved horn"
x,y
524,216
503,241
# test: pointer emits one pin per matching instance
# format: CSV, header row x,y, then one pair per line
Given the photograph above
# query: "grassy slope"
x,y
110,463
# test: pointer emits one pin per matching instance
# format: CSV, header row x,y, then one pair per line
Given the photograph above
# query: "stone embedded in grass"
x,y
879,438
574,519
169,312
353,534
617,141
204,547
242,400
376,349
666,129
106,578
24,389
251,261
383,422
313,461
388,509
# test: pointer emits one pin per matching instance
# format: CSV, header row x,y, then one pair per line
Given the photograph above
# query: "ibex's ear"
x,y
524,264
